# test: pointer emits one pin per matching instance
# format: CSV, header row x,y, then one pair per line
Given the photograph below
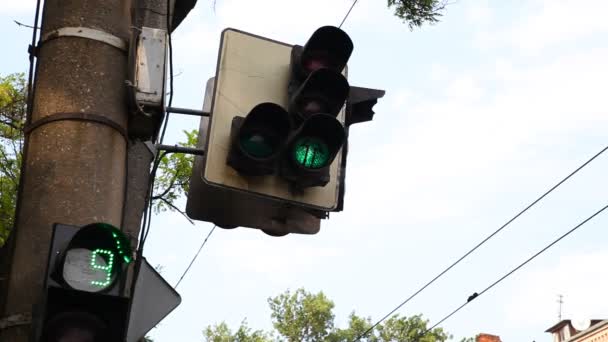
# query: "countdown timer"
x,y
95,257
87,270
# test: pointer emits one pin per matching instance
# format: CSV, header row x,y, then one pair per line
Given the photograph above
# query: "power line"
x,y
195,256
482,242
347,13
516,268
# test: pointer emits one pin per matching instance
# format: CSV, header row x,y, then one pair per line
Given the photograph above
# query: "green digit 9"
x,y
106,268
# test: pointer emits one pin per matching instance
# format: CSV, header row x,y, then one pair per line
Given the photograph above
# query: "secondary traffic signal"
x,y
84,299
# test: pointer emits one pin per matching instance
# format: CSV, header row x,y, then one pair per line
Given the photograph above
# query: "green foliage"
x,y
13,99
221,333
303,316
172,180
418,12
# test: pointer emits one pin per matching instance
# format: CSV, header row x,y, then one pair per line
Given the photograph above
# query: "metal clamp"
x,y
87,33
16,320
77,116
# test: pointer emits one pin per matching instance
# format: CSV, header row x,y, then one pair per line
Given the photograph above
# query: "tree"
x,y
303,316
418,12
13,107
173,177
221,333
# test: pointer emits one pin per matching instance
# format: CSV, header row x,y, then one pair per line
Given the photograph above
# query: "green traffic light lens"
x,y
311,153
257,145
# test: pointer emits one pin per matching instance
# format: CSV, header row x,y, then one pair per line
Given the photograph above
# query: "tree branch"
x,y
167,189
177,209
6,170
10,124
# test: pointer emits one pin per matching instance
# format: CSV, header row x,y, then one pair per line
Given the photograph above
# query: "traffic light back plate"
x,y
252,70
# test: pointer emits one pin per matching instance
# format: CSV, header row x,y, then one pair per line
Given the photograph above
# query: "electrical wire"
x,y
195,256
147,216
166,121
475,296
347,13
482,242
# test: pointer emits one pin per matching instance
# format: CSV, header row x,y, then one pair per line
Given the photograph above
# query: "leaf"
x,y
13,108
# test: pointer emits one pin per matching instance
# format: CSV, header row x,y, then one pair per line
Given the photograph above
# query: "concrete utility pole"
x,y
76,158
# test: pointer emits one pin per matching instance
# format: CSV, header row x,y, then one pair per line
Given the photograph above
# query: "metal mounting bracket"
x,y
87,33
15,320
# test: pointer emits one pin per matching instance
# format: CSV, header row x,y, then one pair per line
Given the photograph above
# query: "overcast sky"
x,y
483,112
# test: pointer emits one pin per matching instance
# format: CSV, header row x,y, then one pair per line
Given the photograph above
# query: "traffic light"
x,y
84,299
317,92
275,138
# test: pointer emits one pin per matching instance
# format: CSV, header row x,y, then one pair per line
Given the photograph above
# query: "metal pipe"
x,y
187,111
180,149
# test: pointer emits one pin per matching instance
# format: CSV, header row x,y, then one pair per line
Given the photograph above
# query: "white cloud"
x,y
464,89
270,256
479,12
9,7
282,20
581,278
464,137
548,23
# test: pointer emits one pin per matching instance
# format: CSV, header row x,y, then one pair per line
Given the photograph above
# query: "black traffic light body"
x,y
307,137
83,290
317,92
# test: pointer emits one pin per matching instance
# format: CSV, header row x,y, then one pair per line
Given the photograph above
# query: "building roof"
x,y
595,325
564,322
558,326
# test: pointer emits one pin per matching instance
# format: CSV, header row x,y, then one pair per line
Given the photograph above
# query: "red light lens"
x,y
316,60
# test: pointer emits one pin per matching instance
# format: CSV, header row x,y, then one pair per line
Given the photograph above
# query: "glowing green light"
x,y
311,153
106,268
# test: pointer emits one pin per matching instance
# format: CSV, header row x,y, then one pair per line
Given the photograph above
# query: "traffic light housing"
x,y
253,174
83,298
317,93
252,71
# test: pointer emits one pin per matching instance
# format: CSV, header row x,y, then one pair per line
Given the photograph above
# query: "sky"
x,y
484,112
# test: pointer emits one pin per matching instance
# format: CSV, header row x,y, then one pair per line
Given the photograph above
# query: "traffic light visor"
x,y
264,131
94,257
324,91
328,47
